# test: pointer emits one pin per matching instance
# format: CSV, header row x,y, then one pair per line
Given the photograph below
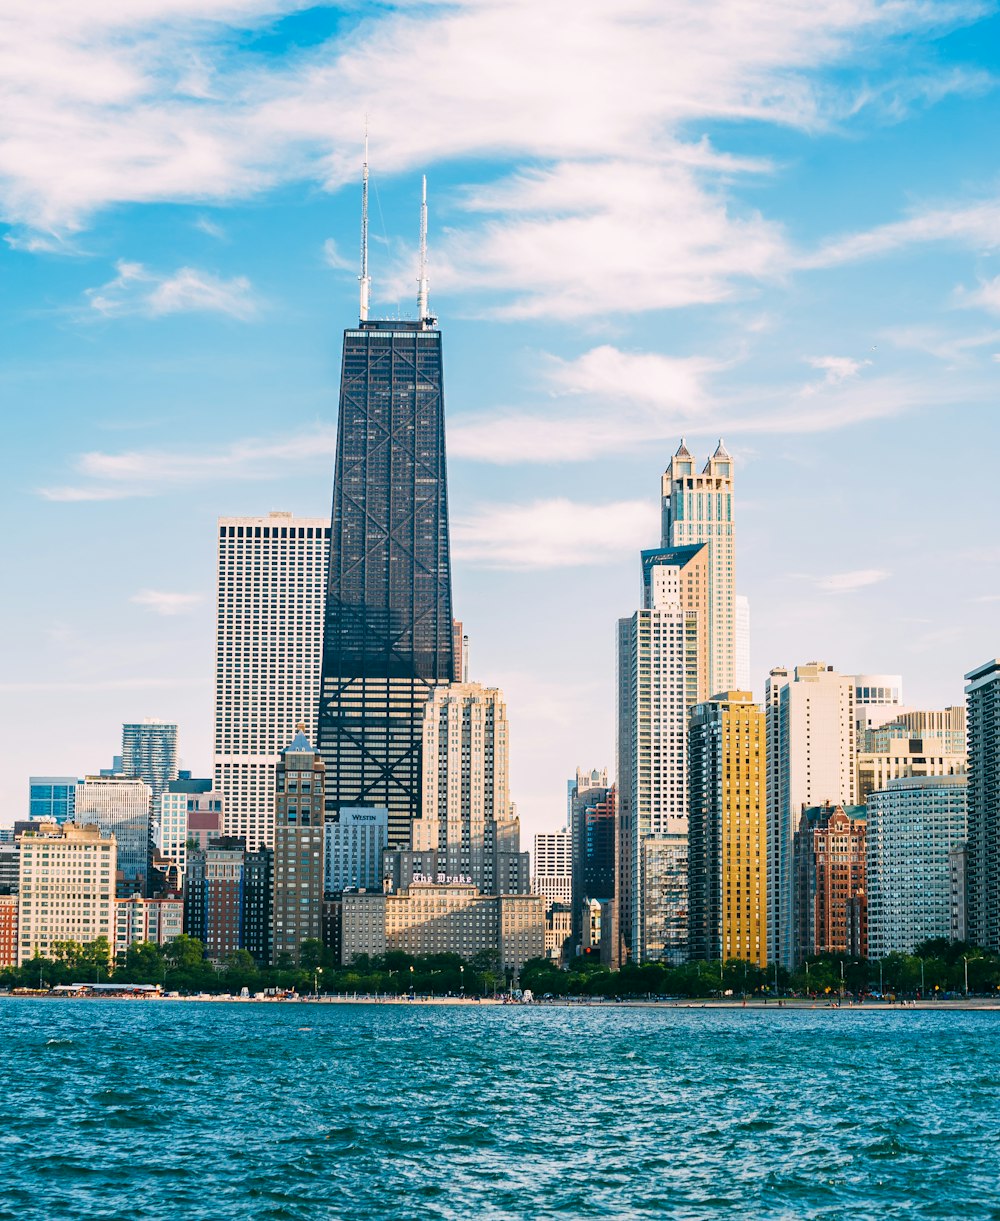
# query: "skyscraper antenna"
x,y
364,279
422,310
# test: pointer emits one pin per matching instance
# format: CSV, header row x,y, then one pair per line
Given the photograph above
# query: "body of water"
x,y
167,1109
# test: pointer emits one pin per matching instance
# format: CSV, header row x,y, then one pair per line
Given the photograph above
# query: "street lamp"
x,y
966,962
461,970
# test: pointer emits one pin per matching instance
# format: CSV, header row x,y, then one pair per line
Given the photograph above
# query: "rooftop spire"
x,y
364,279
422,310
682,451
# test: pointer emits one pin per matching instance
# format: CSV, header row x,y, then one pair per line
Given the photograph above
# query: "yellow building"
x,y
727,861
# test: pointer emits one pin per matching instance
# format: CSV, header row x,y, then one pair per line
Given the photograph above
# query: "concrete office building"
x,y
983,854
138,919
552,867
593,835
354,841
120,806
658,681
272,574
727,864
52,798
899,755
878,700
810,762
149,752
448,917
66,887
465,780
914,826
300,790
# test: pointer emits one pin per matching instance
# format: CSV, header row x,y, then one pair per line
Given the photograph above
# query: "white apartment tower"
x,y
66,887
810,761
272,574
552,867
465,781
658,650
699,509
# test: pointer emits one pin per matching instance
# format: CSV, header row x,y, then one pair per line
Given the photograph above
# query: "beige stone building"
x,y
431,917
66,887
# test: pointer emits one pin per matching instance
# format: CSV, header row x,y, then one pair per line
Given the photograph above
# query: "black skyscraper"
x,y
388,635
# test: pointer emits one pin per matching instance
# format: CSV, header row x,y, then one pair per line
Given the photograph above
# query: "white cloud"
x,y
977,226
333,258
163,603
612,401
612,205
986,296
849,582
151,472
137,290
837,368
556,533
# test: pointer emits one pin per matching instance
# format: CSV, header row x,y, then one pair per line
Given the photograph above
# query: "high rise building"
x,y
699,509
552,867
272,574
658,682
389,638
983,858
914,825
354,840
727,864
465,790
300,790
52,798
66,887
891,752
149,752
119,806
830,893
591,809
190,810
214,896
258,904
8,929
810,762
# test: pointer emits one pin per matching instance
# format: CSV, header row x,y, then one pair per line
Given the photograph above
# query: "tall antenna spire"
x,y
364,279
422,310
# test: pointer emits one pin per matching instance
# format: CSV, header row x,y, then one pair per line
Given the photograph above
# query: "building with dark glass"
x,y
983,854
389,635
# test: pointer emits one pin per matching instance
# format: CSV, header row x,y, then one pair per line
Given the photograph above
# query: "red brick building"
x,y
831,907
8,931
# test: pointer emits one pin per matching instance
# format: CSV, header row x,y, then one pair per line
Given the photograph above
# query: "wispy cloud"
x,y
150,472
611,203
161,602
137,290
556,533
985,296
152,683
613,401
837,368
850,582
977,225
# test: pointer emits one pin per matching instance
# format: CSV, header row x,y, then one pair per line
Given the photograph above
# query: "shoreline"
x,y
791,1004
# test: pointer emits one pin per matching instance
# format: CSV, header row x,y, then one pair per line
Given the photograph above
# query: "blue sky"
x,y
779,224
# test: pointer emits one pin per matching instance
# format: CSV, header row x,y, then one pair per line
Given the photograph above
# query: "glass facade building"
x,y
388,637
52,798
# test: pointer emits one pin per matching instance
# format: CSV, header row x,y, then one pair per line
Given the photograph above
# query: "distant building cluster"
x,y
359,794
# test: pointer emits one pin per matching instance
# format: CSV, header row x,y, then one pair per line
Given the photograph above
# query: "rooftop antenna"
x,y
422,310
364,279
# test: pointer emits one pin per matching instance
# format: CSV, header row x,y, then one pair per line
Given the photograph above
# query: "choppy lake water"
x,y
197,1110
